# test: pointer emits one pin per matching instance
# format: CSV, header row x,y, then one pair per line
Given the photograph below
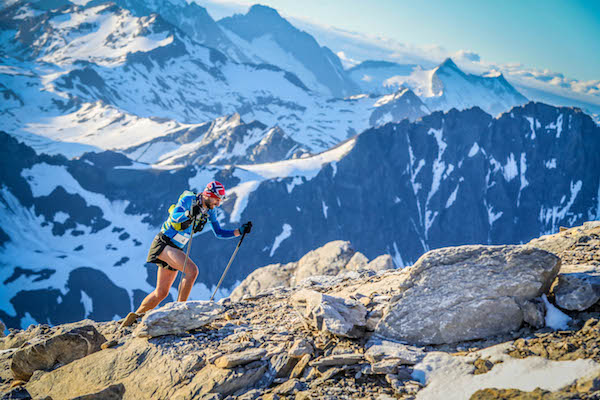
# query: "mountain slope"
x,y
191,18
110,80
441,88
266,29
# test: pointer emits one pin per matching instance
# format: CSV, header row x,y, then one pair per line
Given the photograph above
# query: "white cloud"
x,y
347,62
467,55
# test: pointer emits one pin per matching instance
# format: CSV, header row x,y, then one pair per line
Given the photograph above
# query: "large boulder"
x,y
334,258
178,317
341,317
327,260
60,349
458,293
264,278
577,287
569,242
158,367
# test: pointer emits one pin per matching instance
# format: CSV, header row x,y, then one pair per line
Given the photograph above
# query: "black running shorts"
x,y
158,244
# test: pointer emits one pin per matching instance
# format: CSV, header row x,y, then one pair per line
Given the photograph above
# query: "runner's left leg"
x,y
164,281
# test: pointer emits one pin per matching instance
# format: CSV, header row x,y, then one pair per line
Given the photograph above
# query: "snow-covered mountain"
x,y
269,38
75,233
226,140
191,18
441,88
111,80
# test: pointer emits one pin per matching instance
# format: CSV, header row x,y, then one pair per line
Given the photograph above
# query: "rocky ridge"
x,y
324,337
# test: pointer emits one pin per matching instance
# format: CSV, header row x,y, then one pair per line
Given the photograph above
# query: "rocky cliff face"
x,y
330,337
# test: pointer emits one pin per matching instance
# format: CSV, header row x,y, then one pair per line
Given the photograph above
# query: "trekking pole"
x,y
228,265
187,255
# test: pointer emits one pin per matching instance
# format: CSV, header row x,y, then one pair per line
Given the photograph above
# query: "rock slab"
x,y
57,350
177,318
341,317
467,292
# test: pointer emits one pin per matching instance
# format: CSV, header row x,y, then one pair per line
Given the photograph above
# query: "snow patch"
x,y
88,305
558,125
285,233
452,197
531,125
510,169
203,176
555,214
551,164
60,217
474,149
555,318
524,182
242,192
28,320
492,216
438,169
440,371
397,257
308,167
325,209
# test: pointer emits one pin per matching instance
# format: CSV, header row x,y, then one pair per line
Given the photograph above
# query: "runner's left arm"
x,y
219,232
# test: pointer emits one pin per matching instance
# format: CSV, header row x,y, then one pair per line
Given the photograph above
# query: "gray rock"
x,y
327,260
299,368
380,349
300,348
290,387
338,359
264,278
534,312
241,358
2,329
358,261
463,293
342,317
577,287
60,349
381,263
386,366
282,364
177,318
317,267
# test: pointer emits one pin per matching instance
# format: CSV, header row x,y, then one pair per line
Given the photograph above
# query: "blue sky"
x,y
559,35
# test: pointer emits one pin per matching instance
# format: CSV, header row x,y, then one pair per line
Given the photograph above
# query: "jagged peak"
x,y
449,64
263,11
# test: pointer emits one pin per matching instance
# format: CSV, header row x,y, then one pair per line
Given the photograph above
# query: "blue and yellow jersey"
x,y
178,227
